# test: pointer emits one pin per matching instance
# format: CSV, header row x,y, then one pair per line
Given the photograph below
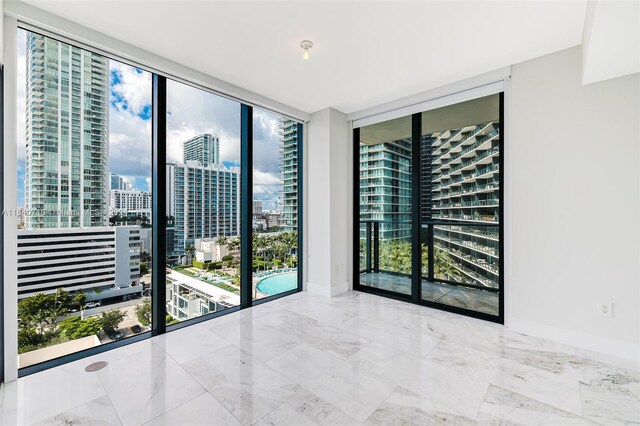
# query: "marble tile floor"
x,y
350,360
467,298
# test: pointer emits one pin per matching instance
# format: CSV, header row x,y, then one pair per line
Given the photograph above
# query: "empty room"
x,y
319,212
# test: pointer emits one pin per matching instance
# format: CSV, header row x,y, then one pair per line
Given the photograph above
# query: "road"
x,y
127,307
104,308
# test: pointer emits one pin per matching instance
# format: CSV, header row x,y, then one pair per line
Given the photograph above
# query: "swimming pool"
x,y
278,283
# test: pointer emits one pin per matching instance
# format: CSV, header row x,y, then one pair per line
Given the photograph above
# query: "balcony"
x,y
476,145
454,278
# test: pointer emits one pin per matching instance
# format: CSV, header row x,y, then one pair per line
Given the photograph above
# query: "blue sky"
x,y
191,112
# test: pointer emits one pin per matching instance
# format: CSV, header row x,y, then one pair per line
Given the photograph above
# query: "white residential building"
x,y
203,148
84,259
130,202
203,200
209,250
66,172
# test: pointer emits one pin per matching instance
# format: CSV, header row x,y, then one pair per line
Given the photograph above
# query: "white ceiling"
x,y
364,54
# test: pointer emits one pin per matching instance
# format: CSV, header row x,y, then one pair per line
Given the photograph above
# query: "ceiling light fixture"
x,y
306,45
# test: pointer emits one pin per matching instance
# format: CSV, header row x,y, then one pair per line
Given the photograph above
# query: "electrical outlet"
x,y
605,309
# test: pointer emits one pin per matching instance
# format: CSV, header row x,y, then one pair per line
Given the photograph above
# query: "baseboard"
x,y
340,288
328,291
591,342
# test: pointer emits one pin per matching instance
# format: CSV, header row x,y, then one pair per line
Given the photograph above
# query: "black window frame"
x,y
159,219
416,263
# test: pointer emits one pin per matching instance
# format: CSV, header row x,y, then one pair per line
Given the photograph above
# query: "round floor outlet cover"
x,y
96,366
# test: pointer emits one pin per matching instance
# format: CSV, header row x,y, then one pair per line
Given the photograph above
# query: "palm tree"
x,y
223,241
443,266
234,244
189,250
259,244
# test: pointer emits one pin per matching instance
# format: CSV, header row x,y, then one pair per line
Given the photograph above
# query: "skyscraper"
x,y
465,188
118,182
203,200
288,131
67,142
204,148
385,187
130,202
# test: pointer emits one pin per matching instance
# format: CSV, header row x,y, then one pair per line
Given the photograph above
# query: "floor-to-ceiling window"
x,y
84,199
203,203
430,207
275,204
121,172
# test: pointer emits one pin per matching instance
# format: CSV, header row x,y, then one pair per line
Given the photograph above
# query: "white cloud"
x,y
191,112
265,179
194,112
130,144
133,86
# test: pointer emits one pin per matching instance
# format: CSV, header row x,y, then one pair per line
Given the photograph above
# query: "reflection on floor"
x,y
467,298
349,360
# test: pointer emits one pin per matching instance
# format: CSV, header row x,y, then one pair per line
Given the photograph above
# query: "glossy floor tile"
x,y
349,360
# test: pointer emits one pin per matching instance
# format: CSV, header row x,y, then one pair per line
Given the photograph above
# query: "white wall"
x,y
328,203
611,40
574,204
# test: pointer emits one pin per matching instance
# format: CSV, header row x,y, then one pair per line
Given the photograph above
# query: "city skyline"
x,y
191,112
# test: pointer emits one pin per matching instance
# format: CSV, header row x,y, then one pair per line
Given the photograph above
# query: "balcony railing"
x,y
386,247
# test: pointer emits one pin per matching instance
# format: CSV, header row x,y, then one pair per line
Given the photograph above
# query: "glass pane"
x,y
84,182
385,205
275,204
203,196
460,156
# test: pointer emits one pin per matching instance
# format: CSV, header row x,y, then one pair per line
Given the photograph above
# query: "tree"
x,y
223,241
29,339
395,255
62,305
41,311
227,258
170,320
34,312
444,267
143,311
234,244
79,300
215,265
76,328
144,269
110,321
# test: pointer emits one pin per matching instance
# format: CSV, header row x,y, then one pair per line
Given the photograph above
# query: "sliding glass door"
x,y
385,151
461,207
430,206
